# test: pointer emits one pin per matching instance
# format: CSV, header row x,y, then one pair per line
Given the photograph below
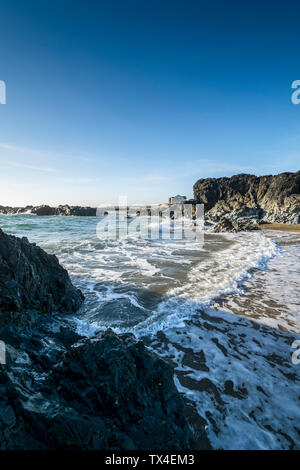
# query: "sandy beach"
x,y
281,227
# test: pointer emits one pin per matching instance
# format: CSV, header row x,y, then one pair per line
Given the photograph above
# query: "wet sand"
x,y
282,227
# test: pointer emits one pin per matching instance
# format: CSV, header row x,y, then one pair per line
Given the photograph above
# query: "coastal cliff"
x,y
59,390
244,197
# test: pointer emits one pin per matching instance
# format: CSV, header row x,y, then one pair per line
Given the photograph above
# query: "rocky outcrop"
x,y
61,391
7,210
109,392
263,199
45,210
31,279
227,224
76,211
128,392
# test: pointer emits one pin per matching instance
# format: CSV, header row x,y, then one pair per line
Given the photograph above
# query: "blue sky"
x,y
143,98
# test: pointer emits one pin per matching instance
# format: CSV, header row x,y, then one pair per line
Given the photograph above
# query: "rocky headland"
x,y
59,390
244,201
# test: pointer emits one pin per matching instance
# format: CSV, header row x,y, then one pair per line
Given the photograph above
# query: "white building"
x,y
177,199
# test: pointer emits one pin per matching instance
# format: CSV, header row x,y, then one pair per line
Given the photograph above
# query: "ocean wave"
x,y
219,272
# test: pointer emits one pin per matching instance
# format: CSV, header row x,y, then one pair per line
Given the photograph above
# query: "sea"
x,y
223,310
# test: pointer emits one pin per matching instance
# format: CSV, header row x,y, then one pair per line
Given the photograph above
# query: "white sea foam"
x,y
213,274
240,379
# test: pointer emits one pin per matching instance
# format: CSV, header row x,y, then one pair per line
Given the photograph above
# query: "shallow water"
x,y
193,303
132,282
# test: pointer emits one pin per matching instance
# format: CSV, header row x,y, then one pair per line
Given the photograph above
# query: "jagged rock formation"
x,y
105,393
76,210
32,279
7,210
225,224
61,391
263,199
45,210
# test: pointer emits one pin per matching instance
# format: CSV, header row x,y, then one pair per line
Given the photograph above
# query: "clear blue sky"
x,y
141,98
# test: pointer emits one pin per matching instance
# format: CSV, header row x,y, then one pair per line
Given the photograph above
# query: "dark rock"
x,y
9,210
68,336
227,224
269,198
76,211
43,210
32,279
108,392
127,386
224,225
7,416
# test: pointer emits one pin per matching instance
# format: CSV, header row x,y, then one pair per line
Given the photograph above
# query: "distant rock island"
x,y
45,210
